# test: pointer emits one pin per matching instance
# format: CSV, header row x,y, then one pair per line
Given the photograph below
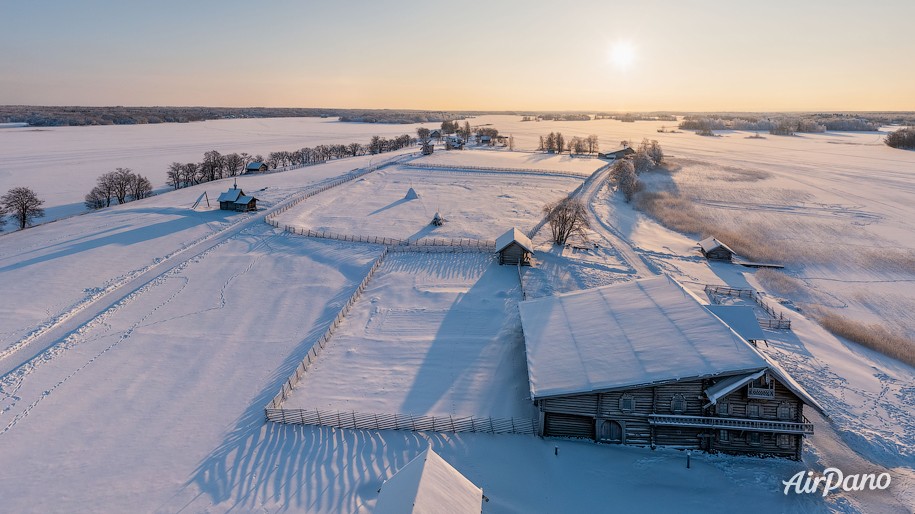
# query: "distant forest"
x,y
42,116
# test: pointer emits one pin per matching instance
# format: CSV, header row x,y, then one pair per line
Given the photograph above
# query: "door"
x,y
610,431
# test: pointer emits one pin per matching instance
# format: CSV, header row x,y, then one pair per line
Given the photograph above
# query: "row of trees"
x,y
554,142
22,204
902,138
215,166
625,172
121,185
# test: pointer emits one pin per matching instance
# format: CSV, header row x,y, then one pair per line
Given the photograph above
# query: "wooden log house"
x,y
514,248
643,363
714,250
236,200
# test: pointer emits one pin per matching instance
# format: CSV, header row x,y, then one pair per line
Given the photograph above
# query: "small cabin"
x,y
428,483
255,167
616,154
643,363
486,140
454,142
514,248
435,134
715,250
236,200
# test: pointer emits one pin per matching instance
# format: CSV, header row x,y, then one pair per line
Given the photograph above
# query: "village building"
x,y
236,200
428,484
616,154
715,250
254,167
486,140
435,134
514,248
643,363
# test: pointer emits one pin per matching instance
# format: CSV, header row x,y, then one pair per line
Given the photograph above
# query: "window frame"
x,y
675,400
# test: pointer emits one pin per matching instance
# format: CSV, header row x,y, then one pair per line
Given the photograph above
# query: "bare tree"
x,y
96,199
423,134
120,183
140,187
593,144
23,205
560,142
566,217
175,172
234,164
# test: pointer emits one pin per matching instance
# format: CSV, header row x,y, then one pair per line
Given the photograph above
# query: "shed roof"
x,y
428,484
742,318
710,243
627,335
514,236
231,195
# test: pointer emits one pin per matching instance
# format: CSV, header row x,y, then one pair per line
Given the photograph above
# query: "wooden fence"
x,y
321,342
458,244
776,319
376,421
494,170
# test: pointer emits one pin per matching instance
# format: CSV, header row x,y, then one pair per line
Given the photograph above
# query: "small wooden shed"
x,y
236,200
715,250
254,167
514,248
616,154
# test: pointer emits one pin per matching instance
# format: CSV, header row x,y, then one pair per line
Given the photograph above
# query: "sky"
x,y
592,55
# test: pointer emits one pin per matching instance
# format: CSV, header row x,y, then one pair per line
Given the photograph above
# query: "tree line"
x,y
903,138
215,165
555,142
121,185
625,172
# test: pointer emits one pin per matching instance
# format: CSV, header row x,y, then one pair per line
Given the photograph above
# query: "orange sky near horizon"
x,y
590,55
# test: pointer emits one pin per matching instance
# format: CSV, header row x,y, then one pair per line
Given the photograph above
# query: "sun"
x,y
622,55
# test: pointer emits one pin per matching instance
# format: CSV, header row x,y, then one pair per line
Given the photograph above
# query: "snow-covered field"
x,y
434,334
62,163
476,205
140,343
497,158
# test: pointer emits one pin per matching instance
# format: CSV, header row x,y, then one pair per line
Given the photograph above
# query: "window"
x,y
627,403
754,410
678,404
785,411
753,438
723,409
724,436
784,441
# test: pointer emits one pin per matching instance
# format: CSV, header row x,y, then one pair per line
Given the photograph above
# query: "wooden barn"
x,y
255,167
616,154
715,250
236,200
514,248
428,484
643,363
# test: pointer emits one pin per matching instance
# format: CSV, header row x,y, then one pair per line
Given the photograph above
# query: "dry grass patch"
x,y
871,335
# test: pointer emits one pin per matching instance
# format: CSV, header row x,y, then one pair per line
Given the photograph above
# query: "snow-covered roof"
x,y
245,200
514,236
725,386
411,194
741,318
710,243
428,484
231,195
254,165
627,335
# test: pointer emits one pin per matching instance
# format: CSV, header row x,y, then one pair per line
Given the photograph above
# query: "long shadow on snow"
x,y
257,461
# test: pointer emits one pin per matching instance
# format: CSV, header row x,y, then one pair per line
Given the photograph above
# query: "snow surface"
x,y
434,334
512,160
475,205
149,396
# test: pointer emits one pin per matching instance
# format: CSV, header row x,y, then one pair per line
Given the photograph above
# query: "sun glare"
x,y
622,55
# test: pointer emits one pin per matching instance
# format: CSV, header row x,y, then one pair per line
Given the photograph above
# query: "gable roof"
x,y
622,151
627,335
514,236
231,195
256,165
428,484
245,200
710,243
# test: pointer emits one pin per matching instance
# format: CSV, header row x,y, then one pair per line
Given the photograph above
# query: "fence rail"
x,y
458,244
377,421
776,320
494,170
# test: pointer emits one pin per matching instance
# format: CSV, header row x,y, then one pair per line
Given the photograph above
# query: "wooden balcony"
x,y
756,425
761,393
